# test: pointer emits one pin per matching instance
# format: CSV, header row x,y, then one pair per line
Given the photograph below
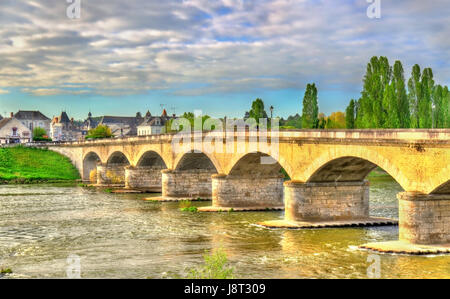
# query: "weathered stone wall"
x,y
144,177
326,201
424,219
187,183
247,192
111,174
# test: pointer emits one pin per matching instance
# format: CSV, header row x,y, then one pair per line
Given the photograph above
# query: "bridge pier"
x,y
143,178
424,218
113,174
246,193
190,184
423,225
337,204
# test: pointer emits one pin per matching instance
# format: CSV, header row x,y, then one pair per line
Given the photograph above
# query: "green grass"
x,y
27,165
6,271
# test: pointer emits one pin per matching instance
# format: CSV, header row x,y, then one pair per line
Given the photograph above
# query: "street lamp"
x,y
271,112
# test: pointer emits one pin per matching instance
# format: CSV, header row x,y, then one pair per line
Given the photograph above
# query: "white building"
x,y
154,125
64,129
33,119
13,131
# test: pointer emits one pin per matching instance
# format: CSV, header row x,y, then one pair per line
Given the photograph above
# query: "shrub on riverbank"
x,y
28,165
215,267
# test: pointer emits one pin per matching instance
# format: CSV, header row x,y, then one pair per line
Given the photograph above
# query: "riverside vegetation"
x,y
24,165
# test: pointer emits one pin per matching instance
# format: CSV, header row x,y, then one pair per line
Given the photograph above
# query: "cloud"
x,y
229,46
4,91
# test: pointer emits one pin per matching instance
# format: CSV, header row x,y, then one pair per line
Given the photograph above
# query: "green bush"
x,y
101,132
215,267
39,134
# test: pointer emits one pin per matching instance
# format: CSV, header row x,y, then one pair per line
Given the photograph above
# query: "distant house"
x,y
122,126
13,131
154,125
90,122
33,119
64,129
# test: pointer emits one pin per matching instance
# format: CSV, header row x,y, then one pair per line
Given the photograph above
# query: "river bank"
x,y
23,165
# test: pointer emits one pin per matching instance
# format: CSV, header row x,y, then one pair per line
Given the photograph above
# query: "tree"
x,y
39,134
350,115
102,131
310,115
440,100
425,102
336,120
257,112
390,107
415,94
293,122
446,107
401,97
370,110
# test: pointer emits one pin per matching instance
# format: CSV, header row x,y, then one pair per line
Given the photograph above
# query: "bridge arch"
x,y
118,158
255,181
442,189
196,160
346,165
440,184
255,164
90,162
278,158
151,158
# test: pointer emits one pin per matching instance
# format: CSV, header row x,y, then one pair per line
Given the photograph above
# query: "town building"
x,y
154,125
33,119
13,131
122,126
91,122
64,129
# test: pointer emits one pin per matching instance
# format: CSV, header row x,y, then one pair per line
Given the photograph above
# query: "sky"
x,y
216,56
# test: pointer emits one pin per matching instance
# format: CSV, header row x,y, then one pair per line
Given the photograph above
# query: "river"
x,y
122,236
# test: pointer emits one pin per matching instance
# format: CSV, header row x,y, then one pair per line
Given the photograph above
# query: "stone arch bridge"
x,y
327,171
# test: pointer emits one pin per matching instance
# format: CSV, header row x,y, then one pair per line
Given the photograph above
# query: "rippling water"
x,y
122,236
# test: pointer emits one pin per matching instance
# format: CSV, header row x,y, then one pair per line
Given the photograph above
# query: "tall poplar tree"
x,y
350,115
446,107
401,97
378,75
415,95
425,103
390,107
310,117
441,106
